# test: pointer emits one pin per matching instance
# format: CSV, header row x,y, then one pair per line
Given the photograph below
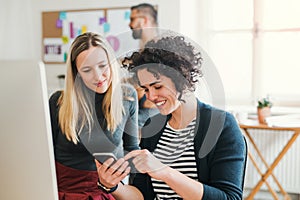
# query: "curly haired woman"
x,y
190,150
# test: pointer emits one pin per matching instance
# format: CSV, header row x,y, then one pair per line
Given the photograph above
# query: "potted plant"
x,y
263,109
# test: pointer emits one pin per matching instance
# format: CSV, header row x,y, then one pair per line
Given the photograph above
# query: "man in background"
x,y
143,22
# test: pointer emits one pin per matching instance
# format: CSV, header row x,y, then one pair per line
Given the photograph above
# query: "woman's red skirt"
x,y
76,184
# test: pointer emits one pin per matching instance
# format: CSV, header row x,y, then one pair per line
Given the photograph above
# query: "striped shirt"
x,y
175,148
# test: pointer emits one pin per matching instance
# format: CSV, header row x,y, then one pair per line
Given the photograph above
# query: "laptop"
x,y
27,168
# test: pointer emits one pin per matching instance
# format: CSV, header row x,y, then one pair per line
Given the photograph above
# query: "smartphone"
x,y
103,156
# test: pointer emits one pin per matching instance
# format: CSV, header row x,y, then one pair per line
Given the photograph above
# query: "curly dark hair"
x,y
169,56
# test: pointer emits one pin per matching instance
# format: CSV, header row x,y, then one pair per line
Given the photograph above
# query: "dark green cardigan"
x,y
220,152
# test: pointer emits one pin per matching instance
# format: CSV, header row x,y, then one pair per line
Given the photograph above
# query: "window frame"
x,y
257,78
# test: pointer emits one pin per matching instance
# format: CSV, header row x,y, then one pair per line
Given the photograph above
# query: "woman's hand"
x,y
145,162
111,172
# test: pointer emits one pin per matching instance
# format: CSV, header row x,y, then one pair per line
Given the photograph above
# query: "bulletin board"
x,y
60,28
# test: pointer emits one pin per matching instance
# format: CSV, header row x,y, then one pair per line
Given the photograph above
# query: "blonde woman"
x,y
94,113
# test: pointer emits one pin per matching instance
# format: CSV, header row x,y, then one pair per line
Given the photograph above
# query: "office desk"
x,y
253,124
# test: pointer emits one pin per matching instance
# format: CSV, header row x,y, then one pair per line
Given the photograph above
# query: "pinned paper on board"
x,y
106,27
114,42
59,23
102,20
65,39
127,15
83,29
53,50
62,15
71,30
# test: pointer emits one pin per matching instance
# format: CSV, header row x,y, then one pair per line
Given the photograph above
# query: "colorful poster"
x,y
53,50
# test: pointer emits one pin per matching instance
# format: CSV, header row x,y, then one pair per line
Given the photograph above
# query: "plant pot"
x,y
262,113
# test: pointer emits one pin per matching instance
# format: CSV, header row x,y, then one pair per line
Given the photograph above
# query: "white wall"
x,y
194,21
16,32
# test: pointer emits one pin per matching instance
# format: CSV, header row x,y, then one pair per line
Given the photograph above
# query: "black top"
x,y
79,156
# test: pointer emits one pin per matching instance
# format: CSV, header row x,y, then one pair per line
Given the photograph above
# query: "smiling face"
x,y
94,69
161,91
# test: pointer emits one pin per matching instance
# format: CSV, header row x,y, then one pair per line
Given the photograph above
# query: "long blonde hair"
x,y
76,110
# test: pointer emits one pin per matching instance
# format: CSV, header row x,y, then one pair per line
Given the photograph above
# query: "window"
x,y
255,45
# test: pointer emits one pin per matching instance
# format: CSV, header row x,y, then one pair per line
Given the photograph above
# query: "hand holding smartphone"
x,y
103,156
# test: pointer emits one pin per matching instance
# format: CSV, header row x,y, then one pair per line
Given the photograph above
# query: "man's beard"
x,y
137,33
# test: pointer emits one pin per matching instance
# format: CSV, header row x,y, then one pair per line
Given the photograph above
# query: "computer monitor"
x,y
27,168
